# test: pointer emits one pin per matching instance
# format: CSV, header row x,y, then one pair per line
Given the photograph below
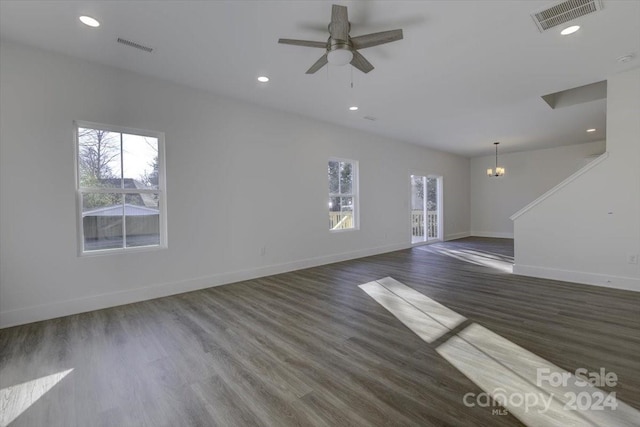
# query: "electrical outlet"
x,y
632,258
263,250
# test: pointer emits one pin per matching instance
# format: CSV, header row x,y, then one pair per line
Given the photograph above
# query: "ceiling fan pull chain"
x,y
351,69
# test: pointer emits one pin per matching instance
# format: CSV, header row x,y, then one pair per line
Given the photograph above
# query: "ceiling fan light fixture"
x,y
340,57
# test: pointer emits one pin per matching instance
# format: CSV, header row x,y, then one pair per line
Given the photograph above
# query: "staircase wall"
x,y
587,229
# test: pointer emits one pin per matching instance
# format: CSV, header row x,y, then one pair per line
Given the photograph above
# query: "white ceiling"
x,y
467,73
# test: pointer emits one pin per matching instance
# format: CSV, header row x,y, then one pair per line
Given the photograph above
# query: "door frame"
x,y
440,210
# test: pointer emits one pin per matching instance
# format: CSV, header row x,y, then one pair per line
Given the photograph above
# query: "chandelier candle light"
x,y
499,171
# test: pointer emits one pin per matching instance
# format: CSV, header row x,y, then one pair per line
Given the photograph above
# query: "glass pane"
x,y
99,158
432,208
432,194
341,213
334,212
417,192
417,208
334,181
140,161
102,215
346,177
142,216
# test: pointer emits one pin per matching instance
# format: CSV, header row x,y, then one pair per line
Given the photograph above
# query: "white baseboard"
x,y
499,235
456,236
608,281
97,302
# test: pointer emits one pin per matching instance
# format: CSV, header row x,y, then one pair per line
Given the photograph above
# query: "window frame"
x,y
440,211
355,193
160,191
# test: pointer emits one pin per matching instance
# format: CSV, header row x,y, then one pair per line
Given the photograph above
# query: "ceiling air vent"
x,y
565,12
135,45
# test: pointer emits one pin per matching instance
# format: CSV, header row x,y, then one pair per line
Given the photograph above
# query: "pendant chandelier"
x,y
499,171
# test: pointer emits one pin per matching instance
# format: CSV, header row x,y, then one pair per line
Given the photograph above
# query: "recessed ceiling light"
x,y
570,30
591,130
354,108
89,21
263,79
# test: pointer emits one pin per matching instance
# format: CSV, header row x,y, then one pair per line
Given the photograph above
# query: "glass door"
x,y
426,217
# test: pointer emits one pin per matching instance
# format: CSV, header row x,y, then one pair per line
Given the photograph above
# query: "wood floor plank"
x,y
423,325
309,347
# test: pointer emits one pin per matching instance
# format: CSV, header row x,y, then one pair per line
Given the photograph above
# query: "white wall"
x,y
585,231
528,175
232,168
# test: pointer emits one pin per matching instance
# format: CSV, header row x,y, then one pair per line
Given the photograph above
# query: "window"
x,y
343,194
121,188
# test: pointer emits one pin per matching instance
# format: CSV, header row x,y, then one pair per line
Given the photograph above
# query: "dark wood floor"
x,y
311,348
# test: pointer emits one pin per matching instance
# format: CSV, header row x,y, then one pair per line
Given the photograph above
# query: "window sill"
x,y
344,230
120,251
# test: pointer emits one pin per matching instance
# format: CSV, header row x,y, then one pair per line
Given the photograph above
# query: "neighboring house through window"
x,y
343,194
121,188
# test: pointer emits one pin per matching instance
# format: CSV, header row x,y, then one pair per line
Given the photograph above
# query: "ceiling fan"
x,y
341,48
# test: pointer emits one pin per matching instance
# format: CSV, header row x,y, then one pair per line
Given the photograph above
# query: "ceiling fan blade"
x,y
319,64
375,39
307,43
360,62
339,27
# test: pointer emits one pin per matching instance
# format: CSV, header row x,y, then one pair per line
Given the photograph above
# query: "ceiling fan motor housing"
x,y
339,51
335,44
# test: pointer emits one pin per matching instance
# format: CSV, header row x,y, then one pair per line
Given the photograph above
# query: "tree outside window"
x,y
120,188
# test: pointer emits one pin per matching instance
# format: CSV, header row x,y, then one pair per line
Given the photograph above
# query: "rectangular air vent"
x,y
564,12
134,44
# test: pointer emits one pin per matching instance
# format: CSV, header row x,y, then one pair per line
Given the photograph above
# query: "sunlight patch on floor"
x,y
16,399
512,376
531,388
484,259
411,308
